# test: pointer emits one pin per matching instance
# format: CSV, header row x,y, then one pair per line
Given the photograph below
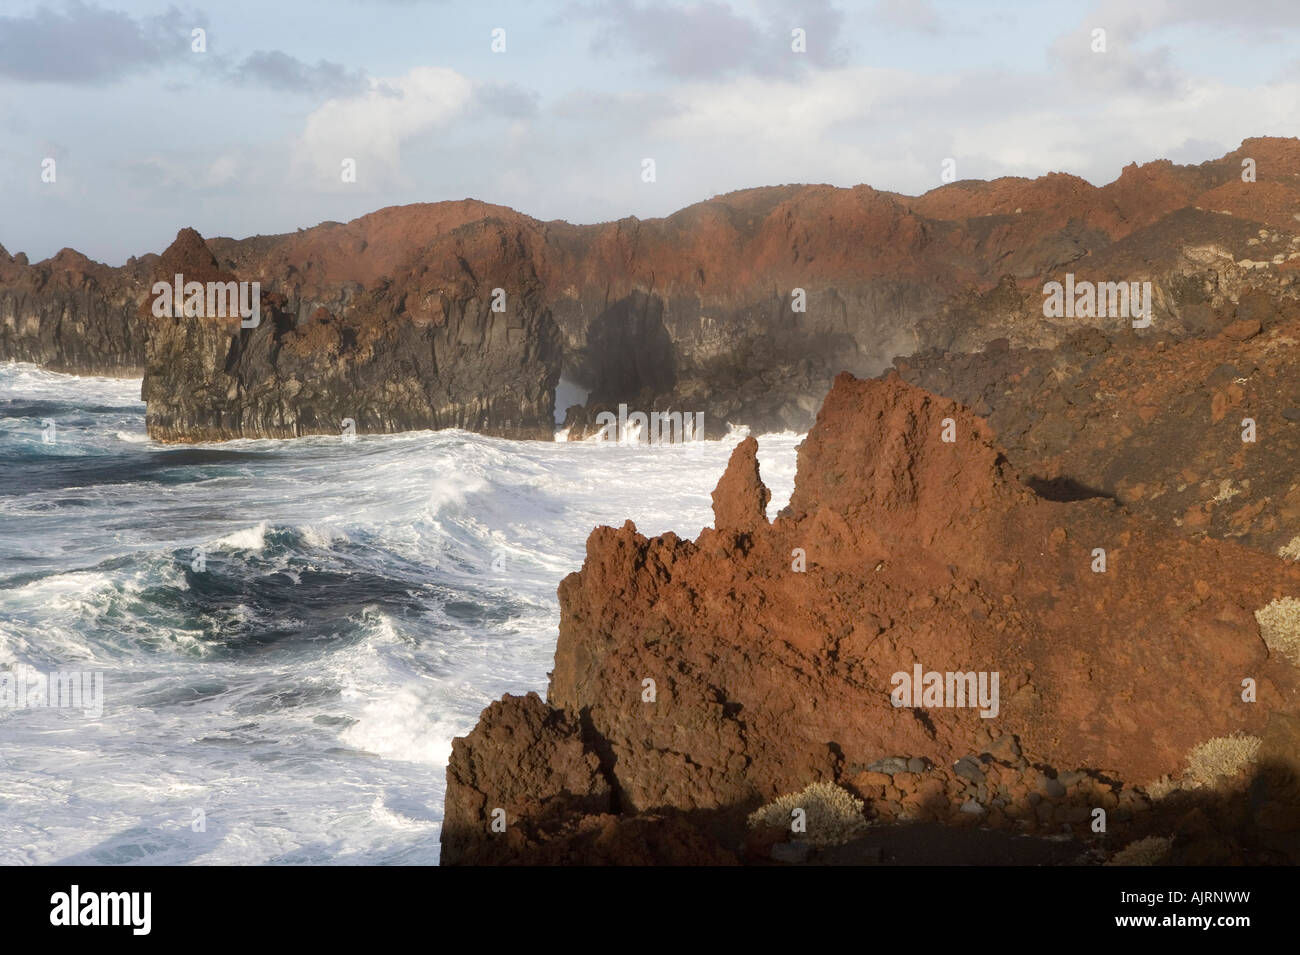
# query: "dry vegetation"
x,y
833,815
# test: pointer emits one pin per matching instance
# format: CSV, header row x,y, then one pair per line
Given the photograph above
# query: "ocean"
x,y
289,633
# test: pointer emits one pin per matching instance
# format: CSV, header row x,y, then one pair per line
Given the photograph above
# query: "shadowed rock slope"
x,y
1200,434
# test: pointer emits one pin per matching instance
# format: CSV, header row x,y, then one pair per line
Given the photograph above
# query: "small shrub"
x,y
1146,851
1291,549
834,816
1207,763
1222,756
1279,625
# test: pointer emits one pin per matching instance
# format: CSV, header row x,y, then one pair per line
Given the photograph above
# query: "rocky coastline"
x,y
1145,682
741,308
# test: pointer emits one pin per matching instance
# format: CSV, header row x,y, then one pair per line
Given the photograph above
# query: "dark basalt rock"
x,y
72,315
377,366
742,308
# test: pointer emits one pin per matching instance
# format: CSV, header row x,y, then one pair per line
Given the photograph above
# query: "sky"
x,y
250,134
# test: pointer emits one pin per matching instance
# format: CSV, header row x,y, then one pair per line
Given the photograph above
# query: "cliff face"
x,y
699,311
772,649
1200,434
743,307
398,356
71,315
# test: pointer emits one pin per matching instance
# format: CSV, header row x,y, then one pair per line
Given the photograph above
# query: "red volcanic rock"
x,y
1158,429
190,256
525,764
698,309
694,309
912,482
1243,329
740,499
526,761
767,672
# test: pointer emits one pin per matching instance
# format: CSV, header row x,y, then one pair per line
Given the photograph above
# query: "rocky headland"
x,y
382,360
1141,673
72,315
743,307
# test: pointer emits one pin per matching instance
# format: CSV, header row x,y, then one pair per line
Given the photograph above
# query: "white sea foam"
x,y
361,604
250,538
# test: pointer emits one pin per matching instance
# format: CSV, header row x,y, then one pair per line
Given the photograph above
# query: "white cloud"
x,y
892,128
371,128
559,133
